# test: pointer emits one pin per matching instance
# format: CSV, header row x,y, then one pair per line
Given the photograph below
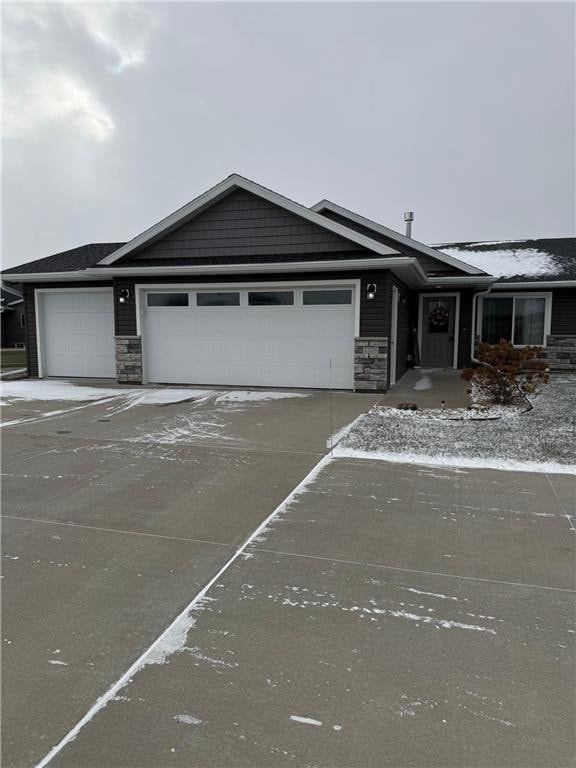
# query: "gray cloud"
x,y
119,113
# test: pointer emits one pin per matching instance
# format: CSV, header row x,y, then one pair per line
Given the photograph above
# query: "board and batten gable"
x,y
245,225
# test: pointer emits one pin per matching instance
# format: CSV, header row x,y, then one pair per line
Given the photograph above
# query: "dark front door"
x,y
438,321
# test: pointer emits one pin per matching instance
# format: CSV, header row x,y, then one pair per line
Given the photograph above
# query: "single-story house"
x,y
12,317
243,286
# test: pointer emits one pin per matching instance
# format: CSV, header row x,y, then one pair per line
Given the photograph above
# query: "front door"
x,y
438,322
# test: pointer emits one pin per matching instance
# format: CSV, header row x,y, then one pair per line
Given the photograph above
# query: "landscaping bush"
x,y
507,373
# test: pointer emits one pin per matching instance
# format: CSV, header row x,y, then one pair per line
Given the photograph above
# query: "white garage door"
x,y
276,336
77,331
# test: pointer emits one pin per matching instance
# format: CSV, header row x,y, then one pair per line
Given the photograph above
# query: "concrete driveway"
x,y
115,514
384,615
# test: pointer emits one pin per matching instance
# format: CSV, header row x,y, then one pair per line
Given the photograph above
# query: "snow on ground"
x,y
506,261
543,439
46,390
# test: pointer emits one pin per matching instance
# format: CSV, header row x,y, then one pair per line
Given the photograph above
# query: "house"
x,y
243,286
12,317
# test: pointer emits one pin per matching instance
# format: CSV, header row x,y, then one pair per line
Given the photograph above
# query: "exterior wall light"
x,y
123,294
371,292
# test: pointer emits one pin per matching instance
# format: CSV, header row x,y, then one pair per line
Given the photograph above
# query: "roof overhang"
x,y
220,191
407,268
536,284
327,205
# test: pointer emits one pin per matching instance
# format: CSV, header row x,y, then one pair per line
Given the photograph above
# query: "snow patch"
x,y
305,720
425,382
188,719
69,391
431,594
506,465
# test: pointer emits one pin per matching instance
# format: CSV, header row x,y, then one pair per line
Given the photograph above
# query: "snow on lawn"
x,y
69,391
543,439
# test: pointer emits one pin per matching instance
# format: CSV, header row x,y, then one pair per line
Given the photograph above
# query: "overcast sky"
x,y
116,114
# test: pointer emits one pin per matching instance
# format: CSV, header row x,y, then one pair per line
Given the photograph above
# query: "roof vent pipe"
x,y
409,218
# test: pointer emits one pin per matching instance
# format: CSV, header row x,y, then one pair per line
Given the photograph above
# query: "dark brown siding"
x,y
428,263
563,321
243,224
30,313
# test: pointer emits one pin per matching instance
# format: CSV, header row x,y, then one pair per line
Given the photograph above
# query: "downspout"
x,y
474,311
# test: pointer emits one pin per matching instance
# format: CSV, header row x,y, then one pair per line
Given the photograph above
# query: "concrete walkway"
x,y
428,387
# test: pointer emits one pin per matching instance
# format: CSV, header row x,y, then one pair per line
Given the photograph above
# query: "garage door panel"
x,y
78,334
291,346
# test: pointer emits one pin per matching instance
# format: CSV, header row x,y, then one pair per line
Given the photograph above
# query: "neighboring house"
x,y
12,318
243,286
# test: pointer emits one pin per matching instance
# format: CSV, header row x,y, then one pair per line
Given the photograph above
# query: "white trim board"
x,y
546,295
327,205
228,185
431,295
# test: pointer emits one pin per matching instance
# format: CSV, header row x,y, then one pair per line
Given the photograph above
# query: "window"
x,y
270,298
167,299
520,319
22,321
218,299
340,296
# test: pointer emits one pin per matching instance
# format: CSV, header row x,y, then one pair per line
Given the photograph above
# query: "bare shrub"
x,y
507,373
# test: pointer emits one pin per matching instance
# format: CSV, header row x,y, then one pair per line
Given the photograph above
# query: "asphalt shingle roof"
x,y
510,260
67,261
536,260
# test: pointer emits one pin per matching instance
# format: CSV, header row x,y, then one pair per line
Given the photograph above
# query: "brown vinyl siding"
x,y
242,224
563,320
428,263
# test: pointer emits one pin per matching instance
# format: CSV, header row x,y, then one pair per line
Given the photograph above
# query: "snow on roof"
x,y
507,262
544,258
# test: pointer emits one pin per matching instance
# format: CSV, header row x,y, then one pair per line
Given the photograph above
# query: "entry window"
x,y
218,299
270,298
317,298
168,299
518,319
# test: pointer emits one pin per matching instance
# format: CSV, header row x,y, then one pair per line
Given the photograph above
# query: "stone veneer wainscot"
x,y
129,359
371,363
560,353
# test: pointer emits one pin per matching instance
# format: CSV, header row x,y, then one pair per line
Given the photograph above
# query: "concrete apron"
x,y
388,615
114,520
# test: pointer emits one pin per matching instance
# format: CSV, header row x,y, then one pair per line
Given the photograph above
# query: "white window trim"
x,y
547,295
456,322
140,290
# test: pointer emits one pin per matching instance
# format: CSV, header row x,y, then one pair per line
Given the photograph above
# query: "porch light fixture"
x,y
371,292
123,294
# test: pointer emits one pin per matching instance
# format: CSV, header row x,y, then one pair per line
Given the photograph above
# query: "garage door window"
x,y
317,298
270,298
218,299
167,299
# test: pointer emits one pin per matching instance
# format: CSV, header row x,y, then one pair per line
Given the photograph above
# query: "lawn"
x,y
543,436
12,358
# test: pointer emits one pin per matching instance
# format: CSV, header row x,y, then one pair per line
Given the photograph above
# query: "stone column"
x,y
371,363
129,359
